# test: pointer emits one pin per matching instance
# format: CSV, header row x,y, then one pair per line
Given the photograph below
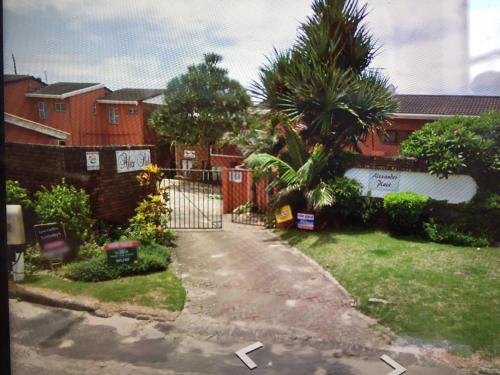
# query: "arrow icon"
x,y
398,369
242,354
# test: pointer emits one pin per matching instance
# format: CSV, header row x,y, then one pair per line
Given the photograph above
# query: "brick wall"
x,y
202,153
113,195
389,163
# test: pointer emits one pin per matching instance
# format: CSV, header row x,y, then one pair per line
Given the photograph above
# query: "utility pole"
x,y
14,61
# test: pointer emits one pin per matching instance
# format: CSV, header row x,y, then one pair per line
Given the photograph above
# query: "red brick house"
x,y
76,114
20,115
123,115
417,110
69,106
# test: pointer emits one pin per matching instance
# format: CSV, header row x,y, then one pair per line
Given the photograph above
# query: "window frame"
x,y
113,116
132,111
43,110
58,105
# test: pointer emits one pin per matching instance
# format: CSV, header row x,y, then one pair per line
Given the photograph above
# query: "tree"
x,y
460,145
296,171
201,105
324,81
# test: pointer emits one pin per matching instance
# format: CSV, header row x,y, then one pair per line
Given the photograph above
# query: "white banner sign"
x,y
132,160
454,189
92,160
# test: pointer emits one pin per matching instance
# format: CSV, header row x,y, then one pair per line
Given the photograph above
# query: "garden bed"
x,y
442,294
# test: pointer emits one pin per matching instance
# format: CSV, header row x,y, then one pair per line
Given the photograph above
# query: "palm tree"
x,y
296,171
324,80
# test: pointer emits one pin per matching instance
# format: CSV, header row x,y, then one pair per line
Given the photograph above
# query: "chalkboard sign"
x,y
52,240
121,252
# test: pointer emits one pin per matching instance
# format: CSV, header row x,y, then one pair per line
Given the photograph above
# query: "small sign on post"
x,y
52,240
305,221
284,214
121,252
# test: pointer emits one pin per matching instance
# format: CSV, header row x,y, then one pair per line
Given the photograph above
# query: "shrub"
x,y
33,260
16,194
151,258
449,234
347,196
405,210
65,204
151,178
244,208
89,250
150,223
350,205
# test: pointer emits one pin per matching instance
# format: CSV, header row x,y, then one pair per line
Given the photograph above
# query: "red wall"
x,y
17,134
16,103
130,130
373,146
237,193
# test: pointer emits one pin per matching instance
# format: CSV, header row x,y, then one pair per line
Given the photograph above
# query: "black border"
x,y
5,364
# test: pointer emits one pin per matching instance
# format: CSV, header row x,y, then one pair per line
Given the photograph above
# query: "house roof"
x,y
435,106
7,78
129,96
35,126
62,90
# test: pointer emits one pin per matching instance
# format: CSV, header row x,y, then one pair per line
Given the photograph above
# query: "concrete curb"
x,y
99,309
18,292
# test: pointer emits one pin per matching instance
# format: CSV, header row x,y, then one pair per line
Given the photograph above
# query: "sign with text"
x,y
378,183
384,180
236,176
189,154
52,240
305,221
284,214
122,252
132,160
92,160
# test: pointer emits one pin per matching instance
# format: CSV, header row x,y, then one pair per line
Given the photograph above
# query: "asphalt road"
x,y
51,341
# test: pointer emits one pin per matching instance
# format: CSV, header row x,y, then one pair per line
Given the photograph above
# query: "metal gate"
x,y
194,197
249,198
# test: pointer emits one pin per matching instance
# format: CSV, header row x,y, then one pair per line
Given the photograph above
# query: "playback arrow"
x,y
242,354
398,369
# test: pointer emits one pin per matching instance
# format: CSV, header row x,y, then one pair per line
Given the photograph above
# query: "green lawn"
x,y
162,290
438,292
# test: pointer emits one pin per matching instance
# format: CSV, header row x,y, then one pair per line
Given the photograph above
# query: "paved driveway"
x,y
248,277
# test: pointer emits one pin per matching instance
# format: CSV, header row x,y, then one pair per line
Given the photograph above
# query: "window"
x,y
60,107
393,137
390,137
42,110
113,116
132,111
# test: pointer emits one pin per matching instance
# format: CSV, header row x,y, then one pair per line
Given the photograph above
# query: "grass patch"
x,y
438,292
161,290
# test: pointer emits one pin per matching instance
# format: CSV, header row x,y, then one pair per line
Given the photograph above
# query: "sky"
x,y
425,46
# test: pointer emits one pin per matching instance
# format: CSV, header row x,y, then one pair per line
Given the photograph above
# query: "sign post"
x,y
52,240
123,252
305,221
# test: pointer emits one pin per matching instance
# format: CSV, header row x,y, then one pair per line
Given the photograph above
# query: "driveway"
x,y
244,285
247,277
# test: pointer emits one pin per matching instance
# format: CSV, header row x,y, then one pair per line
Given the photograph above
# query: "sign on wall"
x,y
384,181
92,160
132,160
189,154
52,240
236,176
454,189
